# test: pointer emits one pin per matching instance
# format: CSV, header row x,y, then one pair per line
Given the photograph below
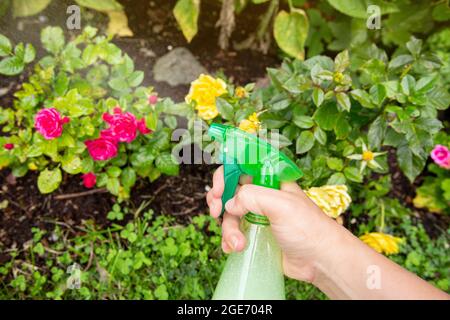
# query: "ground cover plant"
x,y
94,204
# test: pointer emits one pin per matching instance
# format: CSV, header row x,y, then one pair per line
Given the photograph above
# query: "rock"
x,y
179,66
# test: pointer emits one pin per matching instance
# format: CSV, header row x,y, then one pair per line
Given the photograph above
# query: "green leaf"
x,y
353,174
113,186
342,61
52,39
30,53
335,164
225,108
71,164
414,46
411,164
128,177
5,46
343,101
317,96
400,61
408,84
439,98
378,94
290,31
167,164
49,180
363,98
336,179
304,142
24,8
358,8
326,116
11,66
113,171
118,84
342,128
377,132
426,84
304,122
136,78
186,13
100,5
320,135
151,120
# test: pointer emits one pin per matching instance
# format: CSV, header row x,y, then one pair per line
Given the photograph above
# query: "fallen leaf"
x,y
118,24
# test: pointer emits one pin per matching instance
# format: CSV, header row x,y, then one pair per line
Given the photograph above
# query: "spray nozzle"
x,y
244,153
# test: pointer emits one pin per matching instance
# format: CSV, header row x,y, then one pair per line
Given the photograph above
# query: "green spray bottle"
x,y
256,272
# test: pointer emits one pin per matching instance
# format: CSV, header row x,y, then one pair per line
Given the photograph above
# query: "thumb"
x,y
274,204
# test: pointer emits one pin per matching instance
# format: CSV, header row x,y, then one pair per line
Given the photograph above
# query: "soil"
x,y
182,196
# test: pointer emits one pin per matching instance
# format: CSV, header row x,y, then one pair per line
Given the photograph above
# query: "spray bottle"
x,y
256,272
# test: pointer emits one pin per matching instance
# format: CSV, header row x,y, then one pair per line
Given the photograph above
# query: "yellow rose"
x,y
240,92
382,242
251,124
204,92
333,200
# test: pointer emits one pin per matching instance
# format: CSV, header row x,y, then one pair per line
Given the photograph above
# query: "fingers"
x,y
260,200
218,183
292,187
232,237
214,196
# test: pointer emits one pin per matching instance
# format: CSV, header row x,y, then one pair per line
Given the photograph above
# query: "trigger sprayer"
x,y
256,272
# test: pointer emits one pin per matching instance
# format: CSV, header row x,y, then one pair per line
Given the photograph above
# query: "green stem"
x,y
382,217
291,7
267,18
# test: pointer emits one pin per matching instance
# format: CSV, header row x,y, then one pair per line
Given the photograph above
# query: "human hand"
x,y
302,230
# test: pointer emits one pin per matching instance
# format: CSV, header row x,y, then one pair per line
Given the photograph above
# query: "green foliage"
x,y
325,25
83,79
13,60
155,258
350,108
148,258
434,193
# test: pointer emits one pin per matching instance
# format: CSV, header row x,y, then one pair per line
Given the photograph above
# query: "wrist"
x,y
331,254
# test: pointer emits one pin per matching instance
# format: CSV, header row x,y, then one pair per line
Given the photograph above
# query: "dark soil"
x,y
156,33
182,196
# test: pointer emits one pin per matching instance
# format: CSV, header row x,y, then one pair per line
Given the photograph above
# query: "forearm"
x,y
352,270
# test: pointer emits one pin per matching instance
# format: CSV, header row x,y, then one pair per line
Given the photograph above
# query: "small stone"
x,y
3,91
178,67
169,47
157,28
147,53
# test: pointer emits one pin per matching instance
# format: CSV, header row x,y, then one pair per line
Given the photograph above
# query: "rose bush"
x,y
338,118
84,112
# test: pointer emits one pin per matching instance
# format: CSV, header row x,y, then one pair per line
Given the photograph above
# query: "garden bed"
x,y
76,223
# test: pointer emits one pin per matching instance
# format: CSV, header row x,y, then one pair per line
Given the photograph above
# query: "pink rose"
x,y
108,134
441,156
101,149
8,146
123,125
153,99
142,127
89,180
49,123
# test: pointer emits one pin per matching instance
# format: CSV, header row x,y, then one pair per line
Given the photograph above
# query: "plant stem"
x,y
267,18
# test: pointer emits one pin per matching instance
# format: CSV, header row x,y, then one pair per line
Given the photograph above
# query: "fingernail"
x,y
229,205
234,242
